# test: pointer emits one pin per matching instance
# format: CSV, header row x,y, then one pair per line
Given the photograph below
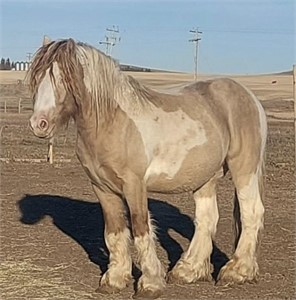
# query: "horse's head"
x,y
49,82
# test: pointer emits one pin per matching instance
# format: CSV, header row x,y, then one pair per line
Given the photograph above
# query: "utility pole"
x,y
107,43
29,56
111,39
195,40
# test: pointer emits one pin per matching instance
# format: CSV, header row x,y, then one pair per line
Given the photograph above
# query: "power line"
x,y
111,39
195,40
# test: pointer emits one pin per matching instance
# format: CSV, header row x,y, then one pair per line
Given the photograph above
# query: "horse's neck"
x,y
107,88
131,96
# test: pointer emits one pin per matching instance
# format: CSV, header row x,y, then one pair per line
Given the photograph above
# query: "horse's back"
x,y
230,100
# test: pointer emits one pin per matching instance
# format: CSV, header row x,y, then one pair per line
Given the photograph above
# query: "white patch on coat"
x,y
167,138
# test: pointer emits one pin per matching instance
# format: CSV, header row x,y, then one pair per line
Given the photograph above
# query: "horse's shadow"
x,y
83,221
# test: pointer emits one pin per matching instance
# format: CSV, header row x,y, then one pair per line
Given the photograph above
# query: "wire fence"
x,y
14,134
16,105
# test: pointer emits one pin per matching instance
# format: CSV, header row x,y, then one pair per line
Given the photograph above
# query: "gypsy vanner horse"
x,y
132,140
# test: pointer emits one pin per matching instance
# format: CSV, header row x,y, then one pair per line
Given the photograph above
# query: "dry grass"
x,y
21,280
30,279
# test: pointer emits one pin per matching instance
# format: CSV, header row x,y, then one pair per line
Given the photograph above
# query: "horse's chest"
x,y
99,174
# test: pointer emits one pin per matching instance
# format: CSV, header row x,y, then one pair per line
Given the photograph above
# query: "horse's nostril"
x,y
43,124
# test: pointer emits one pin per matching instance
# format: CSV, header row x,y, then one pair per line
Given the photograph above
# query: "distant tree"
x,y
2,65
7,64
13,65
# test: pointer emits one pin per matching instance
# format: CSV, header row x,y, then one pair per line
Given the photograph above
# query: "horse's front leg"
x,y
117,239
152,282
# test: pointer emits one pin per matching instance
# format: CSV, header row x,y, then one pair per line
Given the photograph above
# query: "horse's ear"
x,y
71,45
46,40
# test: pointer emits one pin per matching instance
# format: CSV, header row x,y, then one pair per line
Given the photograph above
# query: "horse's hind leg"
x,y
243,266
194,264
117,239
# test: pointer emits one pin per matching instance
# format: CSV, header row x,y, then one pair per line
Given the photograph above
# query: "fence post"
x,y
50,151
19,105
5,107
1,129
294,95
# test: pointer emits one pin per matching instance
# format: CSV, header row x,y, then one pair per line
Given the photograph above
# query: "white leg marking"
x,y
120,266
195,263
243,267
153,274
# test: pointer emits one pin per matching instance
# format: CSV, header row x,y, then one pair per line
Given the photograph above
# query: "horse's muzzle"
x,y
40,126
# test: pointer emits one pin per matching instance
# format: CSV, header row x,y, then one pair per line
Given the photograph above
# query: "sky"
x,y
238,36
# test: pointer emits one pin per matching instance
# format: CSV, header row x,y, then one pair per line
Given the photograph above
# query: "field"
x,y
52,244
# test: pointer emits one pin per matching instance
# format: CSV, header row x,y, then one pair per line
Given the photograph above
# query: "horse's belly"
x,y
161,184
192,172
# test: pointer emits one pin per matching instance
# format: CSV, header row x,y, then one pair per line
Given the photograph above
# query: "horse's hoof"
x,y
235,272
172,278
147,294
107,289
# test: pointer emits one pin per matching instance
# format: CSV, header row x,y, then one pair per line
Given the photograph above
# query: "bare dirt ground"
x,y
52,244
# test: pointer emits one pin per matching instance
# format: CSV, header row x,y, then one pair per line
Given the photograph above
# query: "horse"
x,y
132,140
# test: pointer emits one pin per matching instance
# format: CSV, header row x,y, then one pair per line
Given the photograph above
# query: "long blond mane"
x,y
84,69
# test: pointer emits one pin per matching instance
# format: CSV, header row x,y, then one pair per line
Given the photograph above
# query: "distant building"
x,y
134,68
22,66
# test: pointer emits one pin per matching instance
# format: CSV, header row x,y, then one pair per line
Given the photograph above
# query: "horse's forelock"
x,y
63,53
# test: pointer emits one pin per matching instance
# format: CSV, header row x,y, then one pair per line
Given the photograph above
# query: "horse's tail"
x,y
237,225
261,178
261,183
